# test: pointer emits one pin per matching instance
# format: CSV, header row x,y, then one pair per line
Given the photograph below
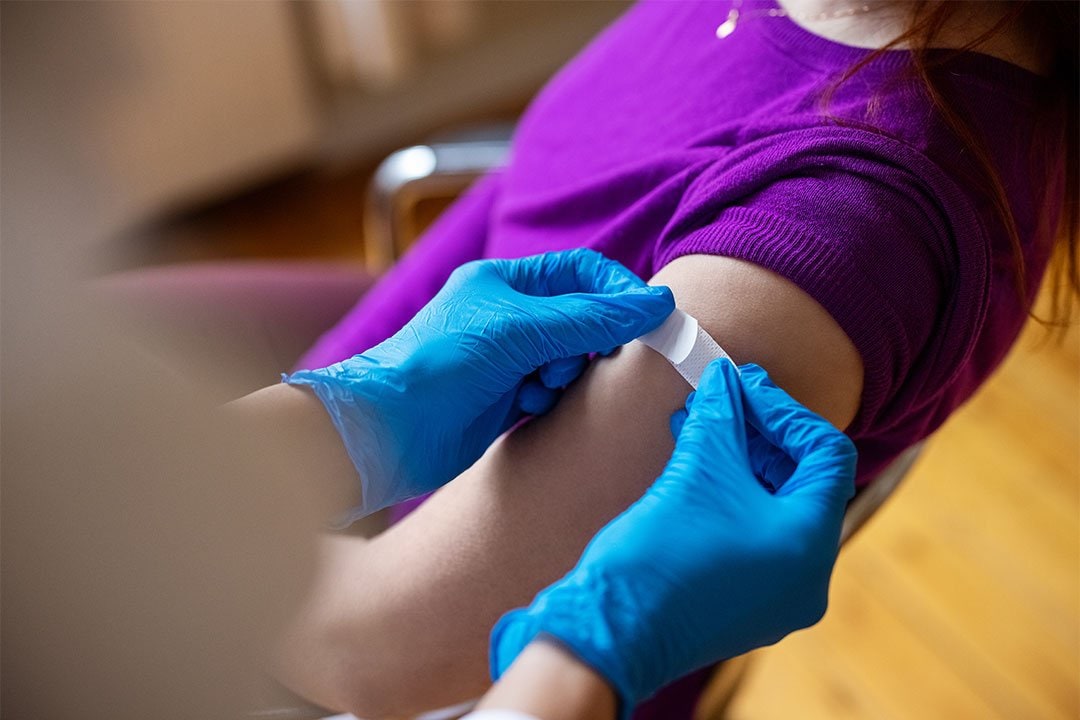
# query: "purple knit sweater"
x,y
661,140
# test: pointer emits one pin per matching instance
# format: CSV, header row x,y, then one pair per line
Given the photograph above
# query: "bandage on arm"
x,y
686,345
401,625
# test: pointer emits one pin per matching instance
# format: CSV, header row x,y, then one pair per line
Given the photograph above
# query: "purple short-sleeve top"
x,y
662,140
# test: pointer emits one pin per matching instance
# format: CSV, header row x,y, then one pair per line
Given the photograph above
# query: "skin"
x,y
887,20
527,686
293,420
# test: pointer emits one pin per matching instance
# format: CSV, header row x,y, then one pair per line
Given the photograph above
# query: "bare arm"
x,y
548,682
520,517
289,418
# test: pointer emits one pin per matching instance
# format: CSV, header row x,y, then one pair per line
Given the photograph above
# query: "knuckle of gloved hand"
x,y
684,467
709,418
844,447
471,267
697,436
582,255
827,441
463,273
752,375
815,606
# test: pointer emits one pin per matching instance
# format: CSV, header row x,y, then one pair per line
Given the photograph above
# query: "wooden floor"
x,y
961,599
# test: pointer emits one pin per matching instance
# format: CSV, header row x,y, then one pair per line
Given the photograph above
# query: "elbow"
x,y
352,688
332,667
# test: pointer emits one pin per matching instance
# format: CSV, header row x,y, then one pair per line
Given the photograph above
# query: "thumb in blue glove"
x,y
772,466
707,564
418,409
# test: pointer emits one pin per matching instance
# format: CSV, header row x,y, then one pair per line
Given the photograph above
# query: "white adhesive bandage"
x,y
686,346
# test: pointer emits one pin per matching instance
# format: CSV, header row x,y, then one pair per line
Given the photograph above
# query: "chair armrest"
x,y
421,172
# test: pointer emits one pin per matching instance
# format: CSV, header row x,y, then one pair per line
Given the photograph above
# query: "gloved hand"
x,y
707,564
771,465
422,406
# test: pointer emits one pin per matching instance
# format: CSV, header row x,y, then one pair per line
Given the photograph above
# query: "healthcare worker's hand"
x,y
418,409
707,564
771,466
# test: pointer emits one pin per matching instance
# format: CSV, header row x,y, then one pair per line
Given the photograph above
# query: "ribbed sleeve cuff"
x,y
827,272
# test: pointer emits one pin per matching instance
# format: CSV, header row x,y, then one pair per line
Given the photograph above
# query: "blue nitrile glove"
x,y
421,407
772,466
707,564
540,393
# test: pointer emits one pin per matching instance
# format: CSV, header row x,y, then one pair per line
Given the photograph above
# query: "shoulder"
x,y
843,224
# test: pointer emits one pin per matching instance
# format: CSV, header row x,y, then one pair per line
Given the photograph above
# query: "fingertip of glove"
x,y
610,274
560,373
655,303
662,293
583,254
659,296
710,385
508,638
676,422
753,373
535,399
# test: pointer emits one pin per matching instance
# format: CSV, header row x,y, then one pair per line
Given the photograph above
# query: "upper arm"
x,y
760,317
407,616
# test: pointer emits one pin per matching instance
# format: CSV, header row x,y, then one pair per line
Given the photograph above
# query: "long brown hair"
x,y
1056,25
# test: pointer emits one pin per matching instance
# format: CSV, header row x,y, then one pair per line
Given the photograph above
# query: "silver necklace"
x,y
728,26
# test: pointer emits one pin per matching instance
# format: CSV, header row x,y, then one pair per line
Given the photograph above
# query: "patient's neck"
x,y
888,19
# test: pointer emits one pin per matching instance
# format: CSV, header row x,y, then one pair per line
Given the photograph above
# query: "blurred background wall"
x,y
173,104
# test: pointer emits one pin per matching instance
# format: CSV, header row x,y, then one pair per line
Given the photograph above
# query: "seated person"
x,y
866,218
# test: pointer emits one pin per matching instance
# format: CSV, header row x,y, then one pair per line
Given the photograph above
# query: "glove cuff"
x,y
583,632
360,425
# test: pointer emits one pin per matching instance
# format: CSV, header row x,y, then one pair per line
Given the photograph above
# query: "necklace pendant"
x,y
728,26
